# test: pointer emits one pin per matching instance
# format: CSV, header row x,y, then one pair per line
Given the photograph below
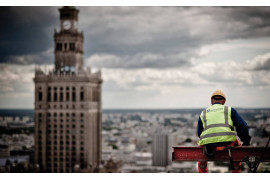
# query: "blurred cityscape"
x,y
132,140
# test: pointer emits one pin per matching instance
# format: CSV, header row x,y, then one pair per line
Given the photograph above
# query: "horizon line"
x,y
146,108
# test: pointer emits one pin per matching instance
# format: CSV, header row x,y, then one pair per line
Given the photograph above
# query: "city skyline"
x,y
150,57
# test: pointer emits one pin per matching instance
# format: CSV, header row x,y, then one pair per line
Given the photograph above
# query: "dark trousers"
x,y
202,165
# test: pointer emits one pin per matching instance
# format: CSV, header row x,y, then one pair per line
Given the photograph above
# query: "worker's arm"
x,y
241,127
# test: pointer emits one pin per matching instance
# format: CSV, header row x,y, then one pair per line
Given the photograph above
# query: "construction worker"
x,y
216,129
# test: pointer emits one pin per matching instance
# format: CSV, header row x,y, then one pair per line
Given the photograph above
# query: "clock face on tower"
x,y
66,24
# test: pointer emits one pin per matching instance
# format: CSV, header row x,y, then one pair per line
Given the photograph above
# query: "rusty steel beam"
x,y
190,153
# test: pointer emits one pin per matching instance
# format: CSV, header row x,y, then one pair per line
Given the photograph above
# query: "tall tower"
x,y
68,105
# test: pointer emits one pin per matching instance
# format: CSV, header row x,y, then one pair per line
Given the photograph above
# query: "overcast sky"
x,y
150,57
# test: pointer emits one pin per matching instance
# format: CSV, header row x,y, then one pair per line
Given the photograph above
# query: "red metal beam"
x,y
188,153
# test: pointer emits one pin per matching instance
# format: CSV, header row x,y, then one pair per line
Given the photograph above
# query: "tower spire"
x,y
68,41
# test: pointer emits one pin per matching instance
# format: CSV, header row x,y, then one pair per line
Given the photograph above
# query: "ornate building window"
x,y
82,96
73,96
55,96
49,98
59,46
67,96
40,96
61,96
72,46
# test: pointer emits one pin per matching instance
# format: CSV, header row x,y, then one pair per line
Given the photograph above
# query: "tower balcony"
x,y
81,75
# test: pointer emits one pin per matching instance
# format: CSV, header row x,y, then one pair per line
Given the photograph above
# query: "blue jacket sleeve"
x,y
241,127
199,127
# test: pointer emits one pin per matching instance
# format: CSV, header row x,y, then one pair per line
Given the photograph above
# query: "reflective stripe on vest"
x,y
218,134
217,124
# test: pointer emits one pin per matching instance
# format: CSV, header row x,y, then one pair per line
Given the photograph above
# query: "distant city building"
x,y
68,105
143,158
15,164
162,149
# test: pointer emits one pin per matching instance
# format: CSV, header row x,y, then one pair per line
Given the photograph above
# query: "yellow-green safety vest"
x,y
217,125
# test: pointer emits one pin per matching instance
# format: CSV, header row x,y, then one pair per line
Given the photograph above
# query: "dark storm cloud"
x,y
259,63
140,60
26,31
172,36
264,66
127,32
45,57
243,22
132,30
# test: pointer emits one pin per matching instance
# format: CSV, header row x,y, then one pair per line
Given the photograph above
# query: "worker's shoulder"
x,y
233,109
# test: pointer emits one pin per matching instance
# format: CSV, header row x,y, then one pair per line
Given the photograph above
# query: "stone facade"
x,y
67,105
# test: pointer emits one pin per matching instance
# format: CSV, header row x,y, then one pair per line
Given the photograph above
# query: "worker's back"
x,y
216,129
217,125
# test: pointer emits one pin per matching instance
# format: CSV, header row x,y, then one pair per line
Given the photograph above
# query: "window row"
x,y
61,114
55,95
67,154
70,96
61,131
61,88
65,46
61,148
61,160
62,142
67,126
61,120
61,137
61,106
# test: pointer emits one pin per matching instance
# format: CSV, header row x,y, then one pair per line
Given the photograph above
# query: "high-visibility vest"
x,y
217,125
